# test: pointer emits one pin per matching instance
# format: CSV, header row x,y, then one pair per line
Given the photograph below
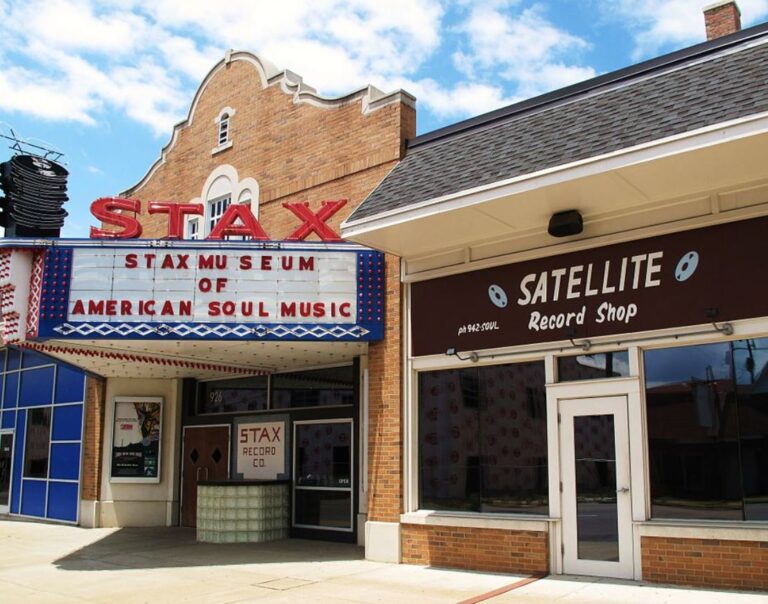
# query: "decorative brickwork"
x,y
491,550
93,438
385,442
705,562
294,151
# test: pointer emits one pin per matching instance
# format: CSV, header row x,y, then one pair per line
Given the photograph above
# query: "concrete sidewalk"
x,y
61,564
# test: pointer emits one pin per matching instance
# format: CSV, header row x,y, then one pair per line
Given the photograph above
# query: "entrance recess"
x,y
6,456
596,503
206,457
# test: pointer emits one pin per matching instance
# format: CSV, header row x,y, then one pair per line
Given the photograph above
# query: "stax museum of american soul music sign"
x,y
267,291
693,277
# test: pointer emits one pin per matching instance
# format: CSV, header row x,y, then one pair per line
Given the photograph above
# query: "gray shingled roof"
x,y
647,108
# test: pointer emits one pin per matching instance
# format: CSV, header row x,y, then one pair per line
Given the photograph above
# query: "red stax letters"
x,y
176,213
226,226
237,219
314,222
105,208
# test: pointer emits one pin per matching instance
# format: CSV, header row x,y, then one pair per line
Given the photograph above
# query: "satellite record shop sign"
x,y
296,292
706,275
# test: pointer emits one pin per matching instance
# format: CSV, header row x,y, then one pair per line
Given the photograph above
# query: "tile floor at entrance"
x,y
62,564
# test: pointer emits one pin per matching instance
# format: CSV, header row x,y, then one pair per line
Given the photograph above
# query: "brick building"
x,y
197,339
586,332
558,366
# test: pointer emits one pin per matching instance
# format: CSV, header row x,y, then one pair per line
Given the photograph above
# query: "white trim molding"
x,y
222,181
507,522
723,531
382,541
715,134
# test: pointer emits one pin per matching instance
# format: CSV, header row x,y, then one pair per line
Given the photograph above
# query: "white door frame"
x,y
631,388
569,410
5,509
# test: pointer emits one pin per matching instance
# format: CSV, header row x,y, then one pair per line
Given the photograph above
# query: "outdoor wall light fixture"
x,y
565,224
585,344
473,356
726,328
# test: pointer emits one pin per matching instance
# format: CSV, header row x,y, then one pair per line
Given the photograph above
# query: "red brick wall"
x,y
705,562
722,20
491,550
385,465
93,439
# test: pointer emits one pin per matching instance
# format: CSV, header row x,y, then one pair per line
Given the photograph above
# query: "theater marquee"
x,y
278,292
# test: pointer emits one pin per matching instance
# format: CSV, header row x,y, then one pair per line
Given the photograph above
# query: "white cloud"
x,y
462,99
24,91
80,59
659,23
520,46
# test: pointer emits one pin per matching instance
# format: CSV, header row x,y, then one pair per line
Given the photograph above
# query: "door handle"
x,y
623,490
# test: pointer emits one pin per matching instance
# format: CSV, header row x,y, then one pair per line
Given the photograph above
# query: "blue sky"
x,y
105,81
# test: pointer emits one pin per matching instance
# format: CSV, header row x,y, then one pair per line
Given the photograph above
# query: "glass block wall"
x,y
42,406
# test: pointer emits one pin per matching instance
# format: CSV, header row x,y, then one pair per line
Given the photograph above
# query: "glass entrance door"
x,y
322,475
596,505
6,456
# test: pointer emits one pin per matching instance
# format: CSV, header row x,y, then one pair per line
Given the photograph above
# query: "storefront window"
x,y
593,366
318,388
222,396
37,443
483,439
708,430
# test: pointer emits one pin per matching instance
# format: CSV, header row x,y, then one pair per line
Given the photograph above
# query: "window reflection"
x,y
593,366
750,362
37,443
323,455
242,394
708,430
318,388
483,439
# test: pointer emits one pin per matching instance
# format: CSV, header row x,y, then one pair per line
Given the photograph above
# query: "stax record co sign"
x,y
693,277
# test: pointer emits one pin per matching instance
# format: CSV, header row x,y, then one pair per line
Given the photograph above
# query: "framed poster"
x,y
137,428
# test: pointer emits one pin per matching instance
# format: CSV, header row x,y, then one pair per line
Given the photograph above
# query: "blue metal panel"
x,y
9,419
33,498
10,391
67,422
69,385
3,353
18,459
62,501
30,358
14,359
65,461
36,387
